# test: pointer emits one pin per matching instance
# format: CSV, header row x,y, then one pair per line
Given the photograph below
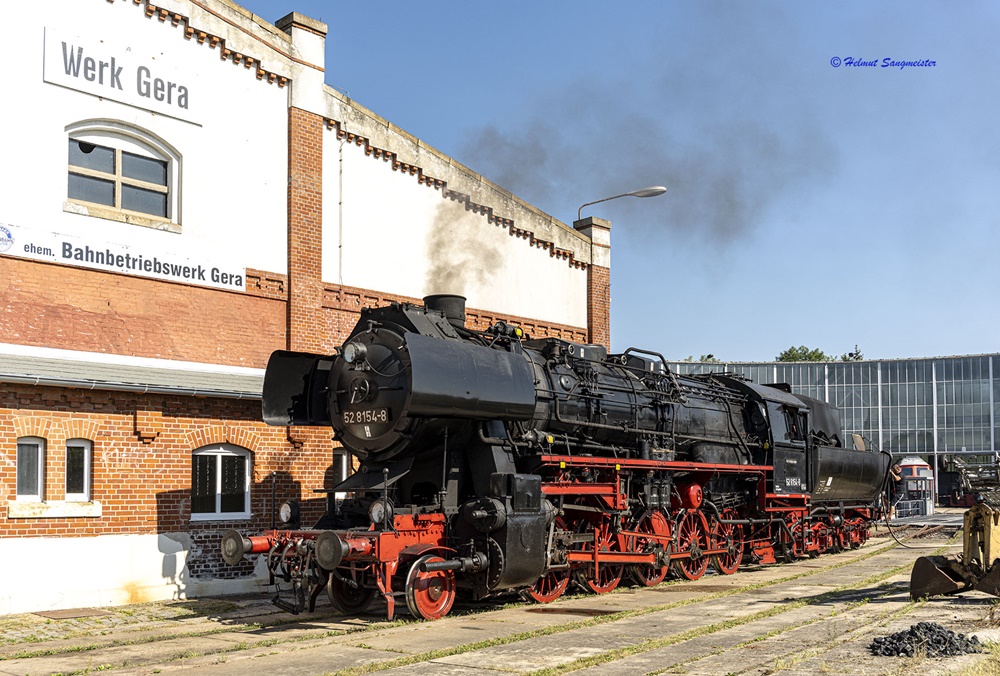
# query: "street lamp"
x,y
651,191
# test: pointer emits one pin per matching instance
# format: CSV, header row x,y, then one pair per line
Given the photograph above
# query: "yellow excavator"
x,y
978,566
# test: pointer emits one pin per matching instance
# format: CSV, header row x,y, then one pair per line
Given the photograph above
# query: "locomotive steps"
x,y
809,616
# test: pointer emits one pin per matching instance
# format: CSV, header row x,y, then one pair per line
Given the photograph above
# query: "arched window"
x,y
220,482
123,173
78,455
30,469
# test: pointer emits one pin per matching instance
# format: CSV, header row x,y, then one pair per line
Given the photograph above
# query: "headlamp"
x,y
289,513
379,511
354,352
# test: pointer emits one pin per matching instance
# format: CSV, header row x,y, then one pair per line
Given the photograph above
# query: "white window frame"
x,y
342,468
220,451
124,137
88,453
39,489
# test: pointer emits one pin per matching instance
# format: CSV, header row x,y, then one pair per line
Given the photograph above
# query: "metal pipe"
x,y
735,522
274,509
83,384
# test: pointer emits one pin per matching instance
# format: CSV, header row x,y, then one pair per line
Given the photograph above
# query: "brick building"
x,y
181,194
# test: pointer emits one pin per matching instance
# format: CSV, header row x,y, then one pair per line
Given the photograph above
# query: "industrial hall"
x,y
182,195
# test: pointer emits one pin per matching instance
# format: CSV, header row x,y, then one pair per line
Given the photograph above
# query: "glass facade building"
x,y
935,408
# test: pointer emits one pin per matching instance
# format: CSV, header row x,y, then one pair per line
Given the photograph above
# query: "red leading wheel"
x,y
347,595
429,594
607,575
691,537
652,522
728,536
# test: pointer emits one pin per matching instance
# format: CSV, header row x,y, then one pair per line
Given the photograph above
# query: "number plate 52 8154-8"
x,y
366,416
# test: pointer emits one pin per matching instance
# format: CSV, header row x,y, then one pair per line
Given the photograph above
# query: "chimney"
x,y
451,305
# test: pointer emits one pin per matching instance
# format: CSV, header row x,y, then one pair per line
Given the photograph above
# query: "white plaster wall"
x,y
233,147
396,235
107,570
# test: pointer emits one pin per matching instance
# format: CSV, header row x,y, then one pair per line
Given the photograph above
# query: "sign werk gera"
x,y
118,74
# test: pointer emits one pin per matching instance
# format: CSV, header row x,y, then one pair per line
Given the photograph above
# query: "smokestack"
x,y
453,307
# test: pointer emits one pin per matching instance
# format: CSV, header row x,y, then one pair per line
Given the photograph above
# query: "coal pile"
x,y
925,638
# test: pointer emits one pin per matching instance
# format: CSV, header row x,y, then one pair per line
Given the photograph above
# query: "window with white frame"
x,y
220,483
78,456
340,467
30,468
123,173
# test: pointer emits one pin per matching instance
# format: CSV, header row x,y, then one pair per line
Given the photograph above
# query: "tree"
x,y
704,359
802,353
853,356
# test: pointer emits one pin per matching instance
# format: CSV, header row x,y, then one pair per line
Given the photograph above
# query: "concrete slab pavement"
x,y
745,617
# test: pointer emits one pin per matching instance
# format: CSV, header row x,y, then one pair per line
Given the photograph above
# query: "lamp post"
x,y
651,191
598,231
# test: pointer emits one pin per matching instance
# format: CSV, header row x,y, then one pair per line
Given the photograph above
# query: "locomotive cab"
x,y
789,420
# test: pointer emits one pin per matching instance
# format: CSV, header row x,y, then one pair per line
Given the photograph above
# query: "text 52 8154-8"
x,y
372,415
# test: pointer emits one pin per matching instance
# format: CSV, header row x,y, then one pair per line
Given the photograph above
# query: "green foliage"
x,y
853,356
704,359
803,353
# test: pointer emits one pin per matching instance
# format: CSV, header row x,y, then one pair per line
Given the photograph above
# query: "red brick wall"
x,y
306,329
141,461
343,304
135,467
599,305
78,309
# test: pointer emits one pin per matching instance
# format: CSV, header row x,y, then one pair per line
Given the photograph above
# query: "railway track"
x,y
813,616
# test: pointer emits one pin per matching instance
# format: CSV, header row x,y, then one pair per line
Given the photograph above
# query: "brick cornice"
x,y
248,61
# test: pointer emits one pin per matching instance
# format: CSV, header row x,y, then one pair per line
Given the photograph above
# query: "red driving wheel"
x,y
607,575
691,537
549,587
652,522
728,536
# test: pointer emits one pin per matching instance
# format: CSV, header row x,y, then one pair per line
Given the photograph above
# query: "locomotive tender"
x,y
490,462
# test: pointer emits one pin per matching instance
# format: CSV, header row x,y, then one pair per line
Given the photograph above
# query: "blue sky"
x,y
808,204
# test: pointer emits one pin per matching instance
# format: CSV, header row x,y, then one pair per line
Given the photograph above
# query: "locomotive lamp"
x,y
651,191
354,352
379,511
289,514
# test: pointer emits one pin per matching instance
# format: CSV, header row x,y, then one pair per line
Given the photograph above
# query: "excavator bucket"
x,y
934,576
977,568
989,583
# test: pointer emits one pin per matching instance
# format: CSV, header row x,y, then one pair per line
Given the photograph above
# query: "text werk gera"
x,y
109,73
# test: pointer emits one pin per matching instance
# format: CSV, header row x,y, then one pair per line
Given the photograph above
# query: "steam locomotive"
x,y
490,462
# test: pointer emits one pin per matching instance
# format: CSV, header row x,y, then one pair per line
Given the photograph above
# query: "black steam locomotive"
x,y
490,462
